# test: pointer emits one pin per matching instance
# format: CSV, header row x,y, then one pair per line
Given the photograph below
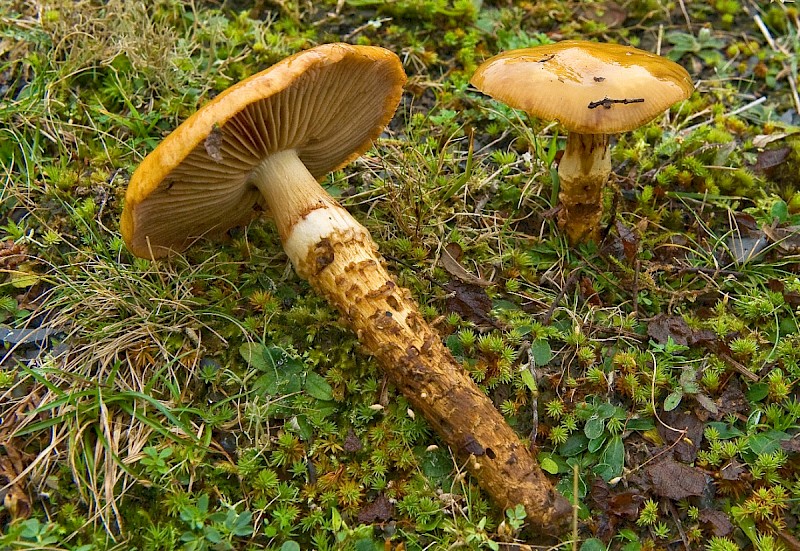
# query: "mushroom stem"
x,y
290,190
582,173
336,254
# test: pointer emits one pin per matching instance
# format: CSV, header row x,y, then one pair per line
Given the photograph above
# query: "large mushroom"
x,y
593,90
263,144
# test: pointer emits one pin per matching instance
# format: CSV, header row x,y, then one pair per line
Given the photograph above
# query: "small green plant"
x,y
213,529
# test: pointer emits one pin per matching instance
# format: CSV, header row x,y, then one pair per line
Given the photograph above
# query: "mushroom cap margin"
x,y
583,85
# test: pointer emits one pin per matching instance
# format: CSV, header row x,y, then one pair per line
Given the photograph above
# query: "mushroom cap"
x,y
589,87
327,103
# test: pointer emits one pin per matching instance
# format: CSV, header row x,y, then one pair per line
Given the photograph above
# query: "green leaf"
x,y
574,445
554,459
549,466
725,430
593,544
530,382
767,442
606,410
596,443
436,465
780,210
290,546
455,346
757,392
640,423
318,387
304,428
673,400
541,353
253,354
278,359
594,428
612,460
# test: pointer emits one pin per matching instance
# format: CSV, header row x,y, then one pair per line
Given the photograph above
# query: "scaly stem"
x,y
336,254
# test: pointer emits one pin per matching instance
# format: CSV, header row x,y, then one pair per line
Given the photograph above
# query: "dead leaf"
x,y
16,499
787,238
763,140
675,480
732,399
352,443
380,510
469,301
792,445
688,434
732,471
613,507
629,240
588,292
12,255
769,159
450,261
608,13
664,326
716,521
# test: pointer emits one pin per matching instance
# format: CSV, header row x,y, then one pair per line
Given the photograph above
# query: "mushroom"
x,y
593,90
262,145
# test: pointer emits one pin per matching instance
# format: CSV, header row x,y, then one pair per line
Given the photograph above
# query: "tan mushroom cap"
x,y
327,103
589,87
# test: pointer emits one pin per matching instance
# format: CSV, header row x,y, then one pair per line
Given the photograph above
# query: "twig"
x,y
561,292
575,507
738,367
765,31
686,16
674,514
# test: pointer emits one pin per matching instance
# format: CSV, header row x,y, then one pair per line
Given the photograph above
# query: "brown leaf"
x,y
664,326
769,159
716,521
12,255
732,471
792,445
613,507
380,510
588,292
16,499
689,434
675,480
787,238
629,240
449,260
469,301
732,399
351,442
609,13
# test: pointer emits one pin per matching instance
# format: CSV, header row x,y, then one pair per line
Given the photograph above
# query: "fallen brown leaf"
x,y
15,500
675,480
450,261
380,510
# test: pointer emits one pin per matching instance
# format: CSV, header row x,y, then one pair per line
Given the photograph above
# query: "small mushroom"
x,y
262,145
593,90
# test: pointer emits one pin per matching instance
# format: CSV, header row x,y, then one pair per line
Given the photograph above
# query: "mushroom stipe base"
x,y
346,268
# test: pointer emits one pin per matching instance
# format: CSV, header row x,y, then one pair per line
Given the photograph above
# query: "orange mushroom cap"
x,y
327,103
589,87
